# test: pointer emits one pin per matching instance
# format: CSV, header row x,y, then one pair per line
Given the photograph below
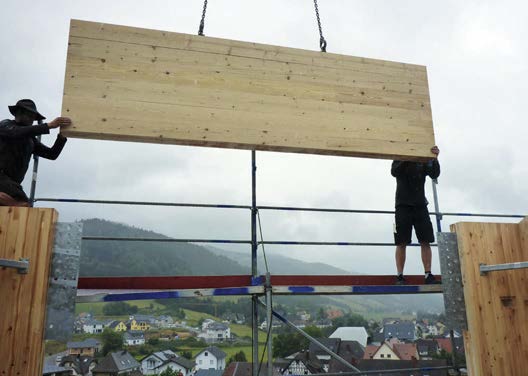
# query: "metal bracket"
x,y
454,301
485,269
65,263
22,266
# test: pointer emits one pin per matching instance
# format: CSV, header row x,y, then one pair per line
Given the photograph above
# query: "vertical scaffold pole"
x,y
269,320
34,176
439,228
437,207
254,270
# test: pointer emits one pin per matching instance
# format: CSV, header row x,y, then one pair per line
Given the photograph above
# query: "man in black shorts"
x,y
411,211
18,142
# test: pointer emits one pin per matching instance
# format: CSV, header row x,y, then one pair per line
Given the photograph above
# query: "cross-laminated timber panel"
x,y
24,233
496,342
132,84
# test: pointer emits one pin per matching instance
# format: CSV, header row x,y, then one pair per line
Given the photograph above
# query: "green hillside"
x,y
121,258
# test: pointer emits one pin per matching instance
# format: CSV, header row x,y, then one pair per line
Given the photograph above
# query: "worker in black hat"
x,y
18,142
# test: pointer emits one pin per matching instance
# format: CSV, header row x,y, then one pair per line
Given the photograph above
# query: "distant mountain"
x,y
133,258
118,258
279,264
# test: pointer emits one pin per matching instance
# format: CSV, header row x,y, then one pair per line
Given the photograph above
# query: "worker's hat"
x,y
28,105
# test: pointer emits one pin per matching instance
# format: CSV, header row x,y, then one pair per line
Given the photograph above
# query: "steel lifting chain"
x,y
322,40
202,22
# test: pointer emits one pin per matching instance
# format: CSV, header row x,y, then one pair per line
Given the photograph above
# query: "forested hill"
x,y
118,258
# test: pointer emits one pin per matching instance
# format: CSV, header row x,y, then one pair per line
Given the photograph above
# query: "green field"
x,y
97,308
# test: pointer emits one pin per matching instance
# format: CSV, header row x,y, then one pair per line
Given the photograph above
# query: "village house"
x,y
211,358
133,338
93,326
138,325
404,331
88,347
151,320
392,349
165,321
118,326
301,364
80,364
160,361
213,332
349,350
351,333
117,363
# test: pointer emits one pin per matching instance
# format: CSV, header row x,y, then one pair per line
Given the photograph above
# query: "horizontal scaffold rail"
x,y
264,207
137,288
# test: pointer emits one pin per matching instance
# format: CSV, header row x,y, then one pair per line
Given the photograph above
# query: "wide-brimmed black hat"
x,y
28,105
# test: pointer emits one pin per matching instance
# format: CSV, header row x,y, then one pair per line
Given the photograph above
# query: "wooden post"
x,y
24,233
496,342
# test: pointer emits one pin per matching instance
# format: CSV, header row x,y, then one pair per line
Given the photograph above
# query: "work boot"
x,y
431,280
400,280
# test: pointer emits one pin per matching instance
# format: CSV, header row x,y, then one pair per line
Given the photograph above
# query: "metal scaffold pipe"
x,y
313,340
276,208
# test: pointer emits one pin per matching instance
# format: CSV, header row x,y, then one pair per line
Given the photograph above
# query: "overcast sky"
x,y
475,53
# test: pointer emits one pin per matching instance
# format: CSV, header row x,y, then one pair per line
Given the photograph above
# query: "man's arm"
x,y
50,153
10,130
432,168
399,168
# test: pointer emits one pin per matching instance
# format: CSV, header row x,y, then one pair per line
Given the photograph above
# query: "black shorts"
x,y
408,217
12,188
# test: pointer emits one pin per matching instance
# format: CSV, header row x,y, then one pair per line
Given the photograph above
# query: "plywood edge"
x,y
242,146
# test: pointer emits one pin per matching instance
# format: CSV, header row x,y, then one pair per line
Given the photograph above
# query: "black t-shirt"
x,y
410,180
18,143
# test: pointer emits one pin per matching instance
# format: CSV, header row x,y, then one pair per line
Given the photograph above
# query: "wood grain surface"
x,y
131,84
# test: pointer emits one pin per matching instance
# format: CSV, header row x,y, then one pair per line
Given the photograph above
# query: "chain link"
x,y
202,22
322,41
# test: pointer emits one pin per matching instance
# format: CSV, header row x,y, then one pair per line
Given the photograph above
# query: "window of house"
x,y
211,361
382,356
388,355
206,353
200,361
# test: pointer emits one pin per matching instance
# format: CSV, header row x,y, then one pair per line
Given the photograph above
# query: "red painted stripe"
x,y
204,282
180,283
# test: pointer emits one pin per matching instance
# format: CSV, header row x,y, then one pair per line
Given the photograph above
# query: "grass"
x,y
193,317
97,308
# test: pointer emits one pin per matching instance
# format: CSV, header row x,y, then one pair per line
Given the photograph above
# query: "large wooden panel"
x,y
133,84
496,303
24,233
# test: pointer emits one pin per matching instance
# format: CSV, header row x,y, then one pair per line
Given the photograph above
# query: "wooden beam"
x,y
496,342
24,233
131,84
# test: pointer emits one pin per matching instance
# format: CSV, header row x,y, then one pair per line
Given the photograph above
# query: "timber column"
x,y
496,342
26,240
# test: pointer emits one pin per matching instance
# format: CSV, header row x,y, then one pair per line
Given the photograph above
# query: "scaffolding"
x,y
255,285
